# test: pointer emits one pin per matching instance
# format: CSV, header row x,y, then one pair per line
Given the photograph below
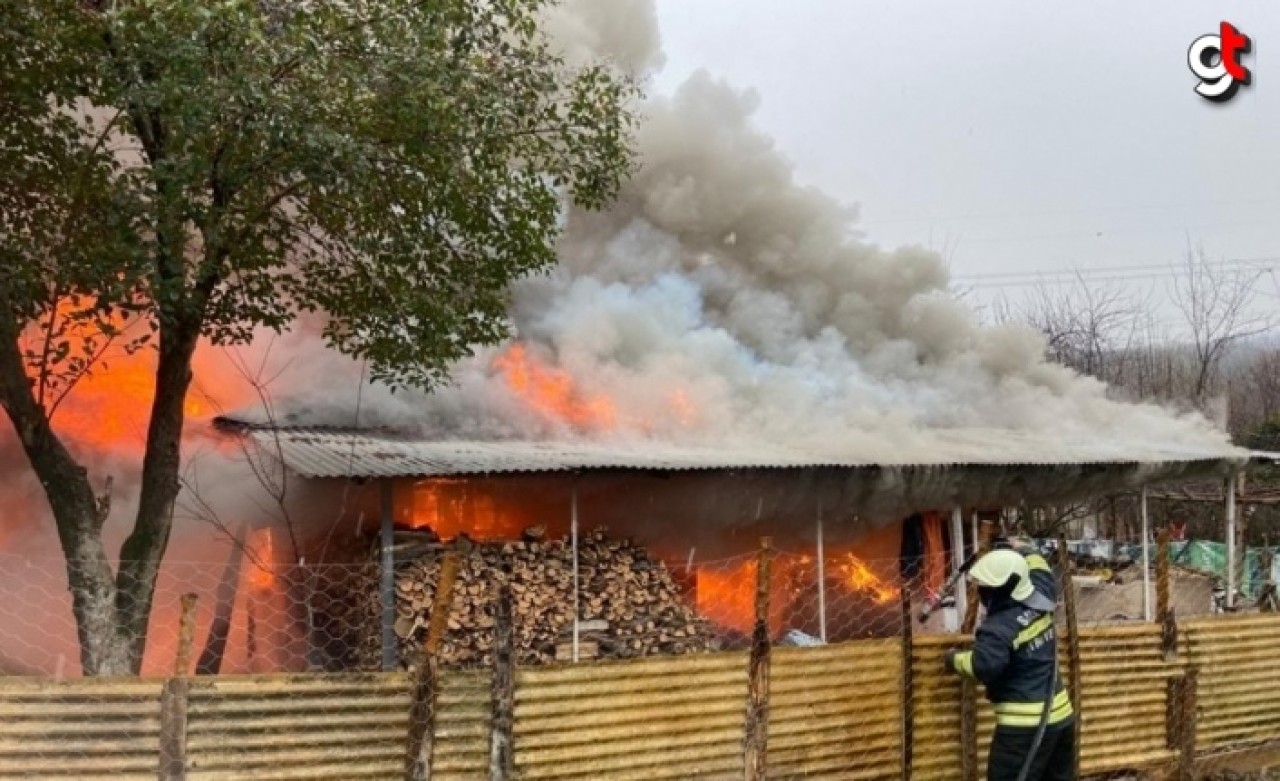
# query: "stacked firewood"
x,y
630,604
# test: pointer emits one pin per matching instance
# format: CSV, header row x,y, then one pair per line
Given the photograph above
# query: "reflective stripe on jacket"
x,y
1014,655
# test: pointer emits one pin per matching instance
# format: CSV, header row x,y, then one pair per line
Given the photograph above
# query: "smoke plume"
x,y
721,302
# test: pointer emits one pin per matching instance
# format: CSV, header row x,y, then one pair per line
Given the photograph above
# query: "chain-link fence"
x,y
781,660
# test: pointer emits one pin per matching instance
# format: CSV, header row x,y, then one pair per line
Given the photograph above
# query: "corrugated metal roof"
x,y
318,452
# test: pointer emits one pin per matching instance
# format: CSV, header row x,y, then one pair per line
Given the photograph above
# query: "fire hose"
x,y
1044,719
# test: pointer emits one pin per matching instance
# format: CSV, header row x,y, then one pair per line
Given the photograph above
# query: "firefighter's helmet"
x,y
1004,572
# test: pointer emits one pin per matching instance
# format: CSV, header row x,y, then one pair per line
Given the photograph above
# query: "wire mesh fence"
x,y
762,664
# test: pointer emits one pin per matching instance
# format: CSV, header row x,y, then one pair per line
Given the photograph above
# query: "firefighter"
x,y
1014,656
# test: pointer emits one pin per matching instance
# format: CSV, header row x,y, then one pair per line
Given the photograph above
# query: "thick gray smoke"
x,y
720,302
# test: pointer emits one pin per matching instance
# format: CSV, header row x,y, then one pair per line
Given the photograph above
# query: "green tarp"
x,y
1211,558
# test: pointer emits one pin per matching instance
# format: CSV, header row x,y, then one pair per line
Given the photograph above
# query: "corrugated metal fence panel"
x,y
1238,698
315,726
659,718
464,715
84,729
1124,689
836,712
935,747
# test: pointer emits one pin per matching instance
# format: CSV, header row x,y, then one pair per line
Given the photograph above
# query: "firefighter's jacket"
x,y
1014,654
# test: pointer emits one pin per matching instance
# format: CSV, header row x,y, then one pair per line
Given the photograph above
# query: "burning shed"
x,y
639,547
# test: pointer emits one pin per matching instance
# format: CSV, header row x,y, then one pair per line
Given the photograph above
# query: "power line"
x,y
1066,276
1087,270
1090,233
1055,212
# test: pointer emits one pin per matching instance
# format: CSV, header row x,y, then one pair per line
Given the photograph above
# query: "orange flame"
x,y
109,405
553,392
727,595
859,577
451,507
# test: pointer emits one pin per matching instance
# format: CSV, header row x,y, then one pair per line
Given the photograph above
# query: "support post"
x,y
1146,557
388,590
957,556
424,689
577,591
1073,641
822,581
908,682
1231,541
502,742
756,740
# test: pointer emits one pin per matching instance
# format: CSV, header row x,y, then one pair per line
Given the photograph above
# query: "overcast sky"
x,y
1014,136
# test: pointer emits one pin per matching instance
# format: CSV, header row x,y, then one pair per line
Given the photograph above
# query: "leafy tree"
x,y
184,169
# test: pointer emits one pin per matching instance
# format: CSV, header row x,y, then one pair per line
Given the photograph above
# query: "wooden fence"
x,y
1151,697
832,712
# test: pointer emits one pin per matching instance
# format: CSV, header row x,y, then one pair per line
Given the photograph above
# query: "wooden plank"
x,y
443,605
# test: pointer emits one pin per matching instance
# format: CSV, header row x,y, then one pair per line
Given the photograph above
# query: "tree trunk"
x,y
111,611
143,549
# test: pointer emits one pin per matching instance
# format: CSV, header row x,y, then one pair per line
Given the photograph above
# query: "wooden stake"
x,y
1267,595
1164,601
422,712
422,721
908,681
501,746
1146,554
1187,727
1173,712
173,729
186,635
756,740
969,770
1073,641
387,593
